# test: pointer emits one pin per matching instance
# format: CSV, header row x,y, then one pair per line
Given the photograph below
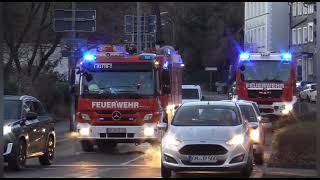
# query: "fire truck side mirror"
x,y
88,77
166,89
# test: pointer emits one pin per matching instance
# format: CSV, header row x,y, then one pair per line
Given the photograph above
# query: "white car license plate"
x,y
116,130
204,159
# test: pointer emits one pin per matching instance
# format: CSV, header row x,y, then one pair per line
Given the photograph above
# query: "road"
x,y
127,161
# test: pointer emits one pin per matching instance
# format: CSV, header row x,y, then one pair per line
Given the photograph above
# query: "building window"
x,y
305,8
263,7
294,36
310,32
299,39
294,9
310,8
305,35
299,8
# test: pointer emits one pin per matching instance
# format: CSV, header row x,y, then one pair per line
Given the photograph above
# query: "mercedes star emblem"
x,y
116,115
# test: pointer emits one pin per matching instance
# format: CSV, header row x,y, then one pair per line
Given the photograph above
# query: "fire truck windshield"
x,y
276,71
118,83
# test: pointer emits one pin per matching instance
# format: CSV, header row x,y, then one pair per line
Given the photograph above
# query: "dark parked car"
x,y
28,132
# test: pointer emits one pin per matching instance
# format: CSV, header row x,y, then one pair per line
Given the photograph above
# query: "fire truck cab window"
x,y
276,71
141,83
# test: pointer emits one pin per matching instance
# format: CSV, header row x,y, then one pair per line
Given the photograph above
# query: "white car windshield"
x,y
206,115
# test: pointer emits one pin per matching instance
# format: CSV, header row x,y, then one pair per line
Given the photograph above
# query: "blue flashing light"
x,y
166,65
89,57
244,56
286,56
148,56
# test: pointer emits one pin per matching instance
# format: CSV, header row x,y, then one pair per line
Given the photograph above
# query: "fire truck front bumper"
x,y
120,134
279,109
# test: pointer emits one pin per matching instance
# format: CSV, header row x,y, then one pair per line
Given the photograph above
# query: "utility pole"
x,y
71,64
317,4
1,94
138,28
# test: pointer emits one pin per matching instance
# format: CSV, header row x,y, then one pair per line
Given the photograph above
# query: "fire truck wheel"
x,y
106,146
86,145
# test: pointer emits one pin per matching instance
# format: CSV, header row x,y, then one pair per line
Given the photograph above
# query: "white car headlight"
x,y
170,141
236,140
255,135
147,117
6,129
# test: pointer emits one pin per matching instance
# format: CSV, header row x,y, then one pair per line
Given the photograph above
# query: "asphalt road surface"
x,y
127,161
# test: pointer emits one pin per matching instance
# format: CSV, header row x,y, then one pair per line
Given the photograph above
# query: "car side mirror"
x,y
162,126
265,120
31,116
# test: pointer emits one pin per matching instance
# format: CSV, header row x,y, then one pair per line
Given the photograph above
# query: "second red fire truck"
x,y
268,79
123,97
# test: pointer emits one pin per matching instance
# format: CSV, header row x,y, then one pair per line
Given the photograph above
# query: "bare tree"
x,y
28,27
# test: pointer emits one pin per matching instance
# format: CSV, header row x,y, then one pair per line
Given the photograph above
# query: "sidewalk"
x,y
271,172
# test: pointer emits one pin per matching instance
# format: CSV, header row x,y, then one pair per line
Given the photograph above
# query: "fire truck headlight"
x,y
85,117
289,107
149,131
84,131
285,111
147,117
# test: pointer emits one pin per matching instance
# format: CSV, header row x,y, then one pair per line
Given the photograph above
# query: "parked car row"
x,y
213,136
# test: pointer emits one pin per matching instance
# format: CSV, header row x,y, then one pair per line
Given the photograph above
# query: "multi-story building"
x,y
266,26
303,38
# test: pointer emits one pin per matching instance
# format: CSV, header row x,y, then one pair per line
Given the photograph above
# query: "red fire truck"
x,y
123,97
268,79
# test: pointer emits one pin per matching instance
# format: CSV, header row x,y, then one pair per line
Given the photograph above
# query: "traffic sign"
x,y
211,69
85,20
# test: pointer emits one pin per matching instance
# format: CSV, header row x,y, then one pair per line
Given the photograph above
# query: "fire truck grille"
x,y
203,149
264,94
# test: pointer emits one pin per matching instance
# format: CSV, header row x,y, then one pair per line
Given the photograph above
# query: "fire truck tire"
x,y
86,145
106,146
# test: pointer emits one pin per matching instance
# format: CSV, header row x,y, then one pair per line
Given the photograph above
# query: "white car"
x,y
191,93
305,94
207,136
313,95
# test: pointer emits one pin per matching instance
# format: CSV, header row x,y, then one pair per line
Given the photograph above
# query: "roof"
x,y
14,97
221,103
240,101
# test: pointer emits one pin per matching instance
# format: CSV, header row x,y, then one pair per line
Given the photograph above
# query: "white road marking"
x,y
98,165
135,159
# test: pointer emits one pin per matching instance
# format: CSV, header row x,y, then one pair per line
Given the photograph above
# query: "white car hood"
x,y
191,133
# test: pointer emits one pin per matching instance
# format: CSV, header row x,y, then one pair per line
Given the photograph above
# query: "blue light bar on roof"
x,y
89,57
244,56
286,56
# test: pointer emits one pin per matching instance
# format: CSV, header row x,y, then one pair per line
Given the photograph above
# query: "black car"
x,y
28,132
